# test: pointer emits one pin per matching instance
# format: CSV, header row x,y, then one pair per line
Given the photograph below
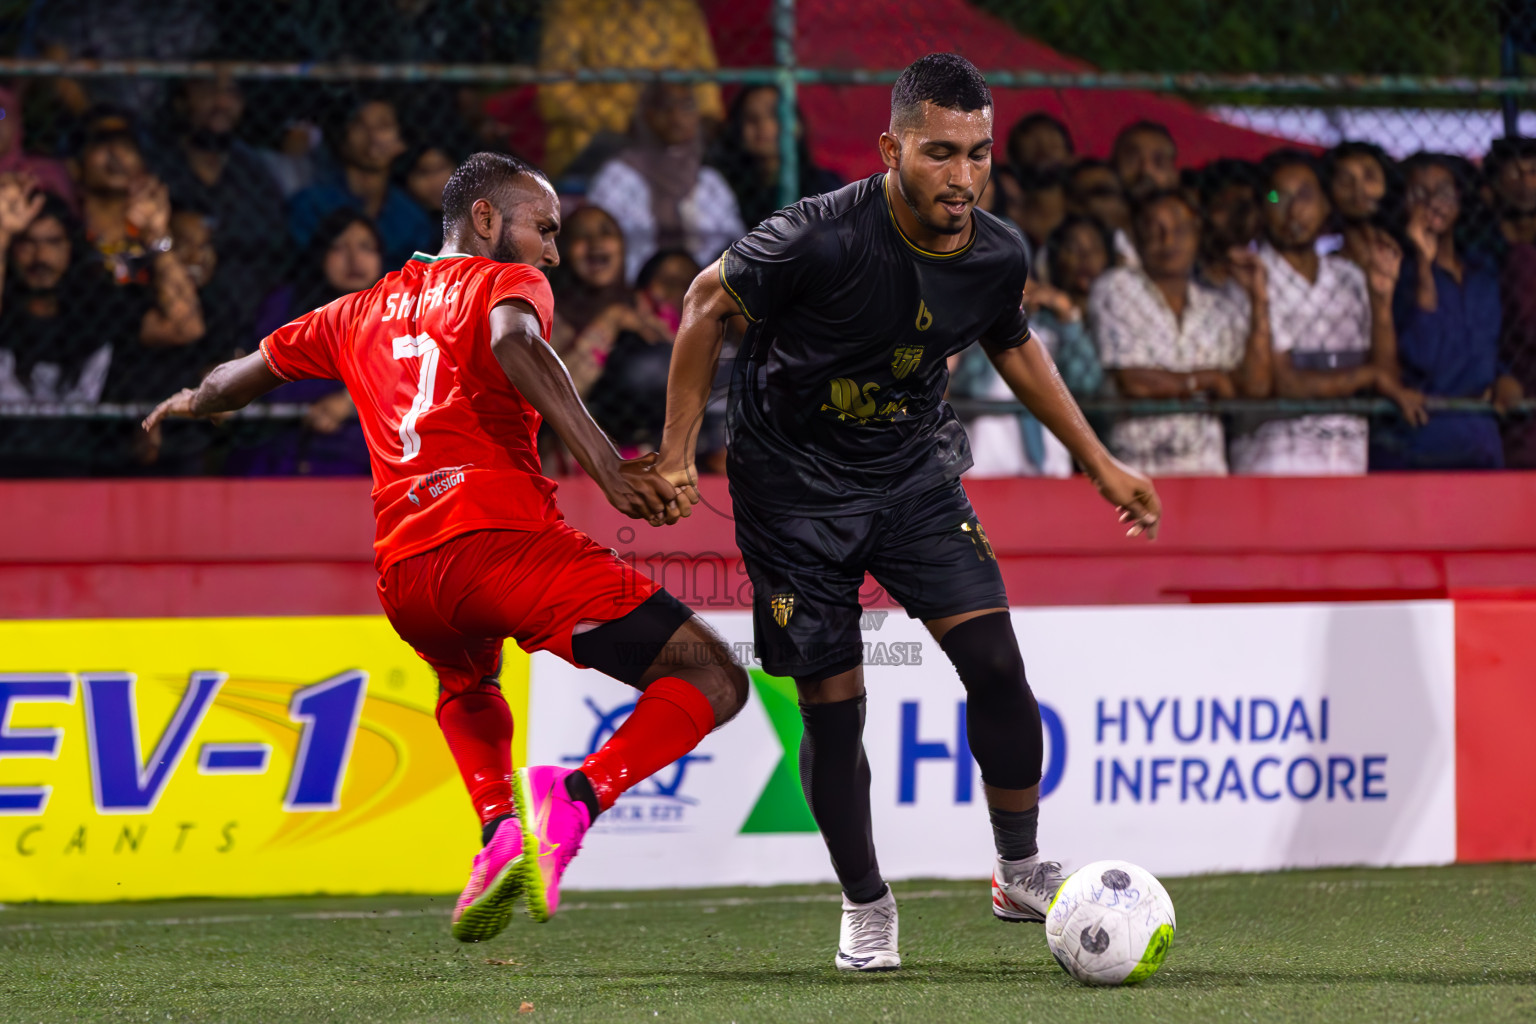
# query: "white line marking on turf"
x,y
366,915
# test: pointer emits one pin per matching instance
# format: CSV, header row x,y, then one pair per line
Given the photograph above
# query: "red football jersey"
x,y
453,444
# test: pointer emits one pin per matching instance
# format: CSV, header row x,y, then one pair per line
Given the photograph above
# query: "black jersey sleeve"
x,y
784,259
1011,328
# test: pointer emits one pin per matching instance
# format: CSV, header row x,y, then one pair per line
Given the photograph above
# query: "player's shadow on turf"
x,y
926,974
1212,978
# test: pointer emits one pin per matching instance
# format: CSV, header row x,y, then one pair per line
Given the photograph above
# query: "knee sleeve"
x,y
1002,719
625,648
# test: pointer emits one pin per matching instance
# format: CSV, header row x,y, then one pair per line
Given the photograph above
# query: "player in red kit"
x,y
447,362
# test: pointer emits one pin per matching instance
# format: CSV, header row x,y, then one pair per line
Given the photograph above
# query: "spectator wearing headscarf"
x,y
658,188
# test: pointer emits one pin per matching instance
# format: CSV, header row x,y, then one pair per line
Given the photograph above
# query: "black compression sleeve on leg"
x,y
835,776
1002,720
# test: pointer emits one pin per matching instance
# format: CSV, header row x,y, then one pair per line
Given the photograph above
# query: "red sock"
x,y
478,728
669,720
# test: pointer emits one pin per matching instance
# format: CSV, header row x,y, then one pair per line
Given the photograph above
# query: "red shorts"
x,y
456,603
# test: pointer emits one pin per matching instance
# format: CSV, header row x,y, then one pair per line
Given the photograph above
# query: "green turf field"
x,y
1446,944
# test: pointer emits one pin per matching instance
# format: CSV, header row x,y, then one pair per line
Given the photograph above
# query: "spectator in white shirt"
x,y
658,188
1331,328
1163,334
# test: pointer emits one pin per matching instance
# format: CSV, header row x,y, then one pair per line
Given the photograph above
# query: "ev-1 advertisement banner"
x,y
244,757
225,757
1186,739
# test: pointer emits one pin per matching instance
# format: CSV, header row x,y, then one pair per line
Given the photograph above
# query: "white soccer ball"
x,y
1111,923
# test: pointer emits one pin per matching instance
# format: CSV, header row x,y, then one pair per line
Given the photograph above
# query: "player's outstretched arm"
x,y
229,386
1032,376
695,356
632,487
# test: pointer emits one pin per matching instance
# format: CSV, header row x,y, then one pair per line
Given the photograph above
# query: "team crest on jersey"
x,y
924,316
979,539
847,399
905,359
783,606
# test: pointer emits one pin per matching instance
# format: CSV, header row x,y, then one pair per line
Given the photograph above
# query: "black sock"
x,y
489,828
1014,832
580,788
834,773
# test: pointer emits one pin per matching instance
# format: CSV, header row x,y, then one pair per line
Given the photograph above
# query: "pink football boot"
x,y
495,882
554,823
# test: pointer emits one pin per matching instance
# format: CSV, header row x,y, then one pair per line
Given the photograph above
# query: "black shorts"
x,y
928,552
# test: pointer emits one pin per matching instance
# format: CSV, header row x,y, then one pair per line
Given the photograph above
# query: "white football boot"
x,y
1022,890
867,941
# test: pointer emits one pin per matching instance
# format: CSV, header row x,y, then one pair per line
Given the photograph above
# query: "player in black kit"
x,y
844,457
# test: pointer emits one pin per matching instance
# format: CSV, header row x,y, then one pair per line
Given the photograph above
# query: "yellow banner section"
x,y
148,758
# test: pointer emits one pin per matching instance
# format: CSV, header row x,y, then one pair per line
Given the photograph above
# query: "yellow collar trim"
x,y
890,208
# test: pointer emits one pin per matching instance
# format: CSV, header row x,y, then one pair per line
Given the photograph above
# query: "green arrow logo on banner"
x,y
781,807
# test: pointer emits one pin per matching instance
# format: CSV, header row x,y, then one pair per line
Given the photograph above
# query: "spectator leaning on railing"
x,y
1163,334
1447,312
1330,327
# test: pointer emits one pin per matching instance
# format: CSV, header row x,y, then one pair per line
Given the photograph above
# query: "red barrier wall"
x,y
301,547
1495,704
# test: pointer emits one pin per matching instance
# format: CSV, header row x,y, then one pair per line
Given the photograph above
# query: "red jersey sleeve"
x,y
520,281
307,348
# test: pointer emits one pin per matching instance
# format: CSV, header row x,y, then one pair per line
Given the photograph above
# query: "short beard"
x,y
505,250
901,186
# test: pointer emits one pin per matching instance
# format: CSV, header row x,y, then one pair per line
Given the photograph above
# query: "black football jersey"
x,y
837,395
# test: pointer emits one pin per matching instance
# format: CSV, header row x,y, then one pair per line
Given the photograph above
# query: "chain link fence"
x,y
1277,236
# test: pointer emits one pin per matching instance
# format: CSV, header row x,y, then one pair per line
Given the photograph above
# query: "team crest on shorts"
x,y
905,359
783,606
979,538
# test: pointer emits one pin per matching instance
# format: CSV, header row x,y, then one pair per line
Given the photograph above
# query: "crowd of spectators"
x,y
1303,276
170,225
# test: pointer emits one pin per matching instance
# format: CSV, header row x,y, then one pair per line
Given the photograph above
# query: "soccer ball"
x,y
1111,923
